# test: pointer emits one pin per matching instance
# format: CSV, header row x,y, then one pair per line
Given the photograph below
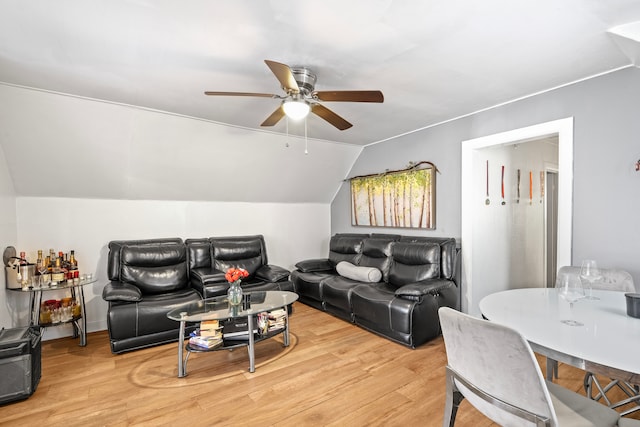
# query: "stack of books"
x,y
277,319
209,335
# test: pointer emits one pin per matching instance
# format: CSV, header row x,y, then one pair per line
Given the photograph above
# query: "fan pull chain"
x,y
287,129
306,142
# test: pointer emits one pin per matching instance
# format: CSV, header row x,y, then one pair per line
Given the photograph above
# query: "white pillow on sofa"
x,y
361,274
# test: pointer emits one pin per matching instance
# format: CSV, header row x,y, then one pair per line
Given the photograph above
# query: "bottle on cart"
x,y
57,273
39,262
23,258
73,265
52,261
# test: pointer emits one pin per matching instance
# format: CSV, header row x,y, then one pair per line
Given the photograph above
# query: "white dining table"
x,y
608,342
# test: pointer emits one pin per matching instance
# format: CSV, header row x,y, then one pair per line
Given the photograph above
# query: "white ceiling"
x,y
433,60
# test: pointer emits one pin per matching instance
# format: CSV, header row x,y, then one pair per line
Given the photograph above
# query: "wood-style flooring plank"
x,y
333,374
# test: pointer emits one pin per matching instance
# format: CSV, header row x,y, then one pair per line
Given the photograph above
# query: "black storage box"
x,y
20,363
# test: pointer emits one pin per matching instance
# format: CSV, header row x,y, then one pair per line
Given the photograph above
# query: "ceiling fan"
x,y
301,98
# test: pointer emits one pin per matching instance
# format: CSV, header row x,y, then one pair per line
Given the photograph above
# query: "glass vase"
x,y
234,294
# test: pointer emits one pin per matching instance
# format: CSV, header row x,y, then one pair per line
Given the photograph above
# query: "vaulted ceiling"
x,y
433,61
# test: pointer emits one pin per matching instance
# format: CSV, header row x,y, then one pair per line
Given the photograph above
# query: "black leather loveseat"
x,y
210,258
390,284
148,278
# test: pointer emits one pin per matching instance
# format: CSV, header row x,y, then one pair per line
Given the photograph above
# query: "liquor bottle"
x,y
23,258
52,261
57,273
73,265
39,263
64,264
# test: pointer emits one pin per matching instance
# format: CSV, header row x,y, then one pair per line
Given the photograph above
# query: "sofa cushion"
x,y
154,269
413,262
238,253
199,253
358,273
376,252
345,248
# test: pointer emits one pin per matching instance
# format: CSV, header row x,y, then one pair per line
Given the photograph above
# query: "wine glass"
x,y
590,273
570,289
42,269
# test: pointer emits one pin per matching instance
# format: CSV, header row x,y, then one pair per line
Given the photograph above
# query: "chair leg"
x,y
452,402
552,369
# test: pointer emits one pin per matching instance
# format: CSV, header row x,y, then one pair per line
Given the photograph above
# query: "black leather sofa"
x,y
418,275
148,278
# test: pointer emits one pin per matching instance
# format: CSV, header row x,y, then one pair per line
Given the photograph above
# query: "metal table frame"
x,y
220,309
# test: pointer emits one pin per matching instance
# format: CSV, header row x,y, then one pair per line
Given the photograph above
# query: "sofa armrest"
x,y
416,290
313,265
206,275
120,291
272,273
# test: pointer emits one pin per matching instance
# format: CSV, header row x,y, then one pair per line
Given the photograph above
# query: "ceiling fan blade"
x,y
349,95
261,95
274,117
284,75
330,116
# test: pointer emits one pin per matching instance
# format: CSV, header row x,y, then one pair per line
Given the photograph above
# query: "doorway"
x,y
486,260
551,227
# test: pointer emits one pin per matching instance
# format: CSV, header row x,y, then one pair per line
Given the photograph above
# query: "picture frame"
x,y
396,199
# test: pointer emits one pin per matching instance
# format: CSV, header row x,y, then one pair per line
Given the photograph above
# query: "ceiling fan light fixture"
x,y
295,109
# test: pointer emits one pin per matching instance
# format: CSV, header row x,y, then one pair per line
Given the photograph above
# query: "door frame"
x,y
563,129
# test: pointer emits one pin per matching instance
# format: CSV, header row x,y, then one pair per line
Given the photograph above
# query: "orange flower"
x,y
235,274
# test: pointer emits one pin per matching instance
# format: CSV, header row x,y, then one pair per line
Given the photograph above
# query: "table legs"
x,y
181,361
285,334
83,319
251,348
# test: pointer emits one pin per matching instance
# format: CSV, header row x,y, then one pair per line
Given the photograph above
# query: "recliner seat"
x,y
148,279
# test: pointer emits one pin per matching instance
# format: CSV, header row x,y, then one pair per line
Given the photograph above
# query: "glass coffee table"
x,y
219,308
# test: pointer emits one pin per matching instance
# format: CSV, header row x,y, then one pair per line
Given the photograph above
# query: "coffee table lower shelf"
x,y
219,308
231,345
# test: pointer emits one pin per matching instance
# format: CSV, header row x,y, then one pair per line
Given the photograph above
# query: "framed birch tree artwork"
x,y
404,198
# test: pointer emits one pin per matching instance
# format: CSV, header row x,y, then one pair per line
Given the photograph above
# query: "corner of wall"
x,y
8,235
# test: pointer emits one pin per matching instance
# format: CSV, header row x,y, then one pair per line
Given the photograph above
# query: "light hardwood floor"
x,y
334,373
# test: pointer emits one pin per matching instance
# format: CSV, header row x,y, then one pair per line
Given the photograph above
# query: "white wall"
x,y
11,303
292,232
77,173
509,240
606,194
64,146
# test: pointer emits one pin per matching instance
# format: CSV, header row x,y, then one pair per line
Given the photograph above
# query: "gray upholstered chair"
x,y
612,280
494,368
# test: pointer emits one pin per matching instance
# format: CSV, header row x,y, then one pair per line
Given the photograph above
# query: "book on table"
x,y
277,319
205,342
208,335
210,328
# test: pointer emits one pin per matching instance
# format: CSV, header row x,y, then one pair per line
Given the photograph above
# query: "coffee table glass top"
x,y
219,307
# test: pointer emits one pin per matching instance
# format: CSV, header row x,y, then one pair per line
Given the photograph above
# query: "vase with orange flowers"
x,y
234,276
